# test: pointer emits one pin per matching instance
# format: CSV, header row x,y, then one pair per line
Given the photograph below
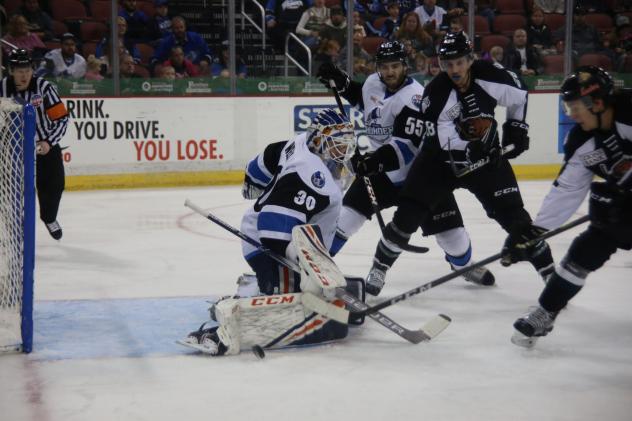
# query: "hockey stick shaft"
x,y
413,336
369,186
466,269
482,162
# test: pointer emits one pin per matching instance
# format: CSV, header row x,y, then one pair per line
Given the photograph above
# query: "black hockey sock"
x,y
557,293
385,255
542,260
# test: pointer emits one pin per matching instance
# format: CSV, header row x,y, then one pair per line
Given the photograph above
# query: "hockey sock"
x,y
460,261
542,260
338,243
557,293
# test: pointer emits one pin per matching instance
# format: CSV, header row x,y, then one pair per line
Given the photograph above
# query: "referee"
x,y
52,121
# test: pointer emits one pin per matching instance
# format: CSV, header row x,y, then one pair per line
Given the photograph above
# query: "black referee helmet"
x,y
19,57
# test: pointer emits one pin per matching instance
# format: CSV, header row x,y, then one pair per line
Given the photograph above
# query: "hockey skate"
x,y
54,229
205,340
538,322
376,278
478,276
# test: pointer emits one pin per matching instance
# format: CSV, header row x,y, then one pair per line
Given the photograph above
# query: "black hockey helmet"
x,y
587,81
390,51
19,57
454,45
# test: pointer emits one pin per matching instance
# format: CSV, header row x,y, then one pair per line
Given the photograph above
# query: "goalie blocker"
x,y
283,320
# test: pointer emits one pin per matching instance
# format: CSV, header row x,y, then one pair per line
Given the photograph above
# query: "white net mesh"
x,y
11,216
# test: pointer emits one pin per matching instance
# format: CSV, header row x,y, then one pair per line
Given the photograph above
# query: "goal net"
x,y
17,225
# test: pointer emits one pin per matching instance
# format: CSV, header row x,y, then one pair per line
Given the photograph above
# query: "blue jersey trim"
x,y
271,221
256,172
407,154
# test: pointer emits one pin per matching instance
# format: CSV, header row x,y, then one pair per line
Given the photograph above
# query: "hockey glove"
x,y
366,165
250,190
515,133
477,150
328,71
515,248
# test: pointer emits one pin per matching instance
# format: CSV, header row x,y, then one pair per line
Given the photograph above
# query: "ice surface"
x,y
134,269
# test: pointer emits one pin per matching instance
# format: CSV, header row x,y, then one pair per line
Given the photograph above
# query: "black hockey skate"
x,y
376,278
205,340
538,322
478,276
54,229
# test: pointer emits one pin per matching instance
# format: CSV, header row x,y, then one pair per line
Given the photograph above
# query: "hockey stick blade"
x,y
431,329
293,266
457,273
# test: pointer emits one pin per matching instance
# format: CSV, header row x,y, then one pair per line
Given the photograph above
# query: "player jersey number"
x,y
416,126
302,198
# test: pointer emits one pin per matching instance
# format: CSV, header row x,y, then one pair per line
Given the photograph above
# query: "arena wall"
x,y
175,141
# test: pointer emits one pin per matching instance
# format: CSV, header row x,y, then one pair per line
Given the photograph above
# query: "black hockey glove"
x,y
515,248
328,71
367,164
515,133
477,150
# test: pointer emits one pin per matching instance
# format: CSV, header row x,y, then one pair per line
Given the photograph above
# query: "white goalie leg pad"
x,y
321,276
227,314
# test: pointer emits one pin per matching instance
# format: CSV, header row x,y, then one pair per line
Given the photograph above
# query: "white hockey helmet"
x,y
330,135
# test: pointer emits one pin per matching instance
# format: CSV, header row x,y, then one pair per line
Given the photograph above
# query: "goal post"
x,y
17,225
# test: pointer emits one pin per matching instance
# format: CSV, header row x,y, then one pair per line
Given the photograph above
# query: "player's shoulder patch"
x,y
417,100
318,179
575,138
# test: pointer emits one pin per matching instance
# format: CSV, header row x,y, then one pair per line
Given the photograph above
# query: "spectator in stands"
x,y
94,67
127,67
538,33
486,8
430,15
328,51
312,23
184,67
412,30
453,21
433,66
586,38
596,6
126,44
336,28
160,24
421,65
63,62
392,22
455,6
18,34
137,20
362,61
282,16
520,57
166,72
550,6
193,45
497,54
220,64
39,21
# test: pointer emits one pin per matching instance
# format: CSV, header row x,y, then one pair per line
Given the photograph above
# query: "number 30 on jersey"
x,y
302,198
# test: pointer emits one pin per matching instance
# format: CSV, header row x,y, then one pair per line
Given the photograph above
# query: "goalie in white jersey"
x,y
294,182
390,101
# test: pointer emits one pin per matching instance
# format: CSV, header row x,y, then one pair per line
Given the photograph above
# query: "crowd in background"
x,y
524,35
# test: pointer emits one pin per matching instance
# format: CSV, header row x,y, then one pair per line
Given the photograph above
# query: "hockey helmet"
x,y
587,81
19,57
390,51
454,45
330,135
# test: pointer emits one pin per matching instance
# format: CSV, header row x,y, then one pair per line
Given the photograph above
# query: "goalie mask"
x,y
330,136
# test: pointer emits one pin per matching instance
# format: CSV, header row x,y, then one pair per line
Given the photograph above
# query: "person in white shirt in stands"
x,y
430,12
64,62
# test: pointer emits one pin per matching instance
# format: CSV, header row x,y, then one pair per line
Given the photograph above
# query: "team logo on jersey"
x,y
36,100
318,179
454,112
593,158
416,100
374,128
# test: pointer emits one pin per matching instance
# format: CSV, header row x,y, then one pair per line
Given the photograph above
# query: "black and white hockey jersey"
x,y
299,189
490,85
606,154
383,124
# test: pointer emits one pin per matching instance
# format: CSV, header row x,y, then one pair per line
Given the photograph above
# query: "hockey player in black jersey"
x,y
458,108
51,121
390,101
599,144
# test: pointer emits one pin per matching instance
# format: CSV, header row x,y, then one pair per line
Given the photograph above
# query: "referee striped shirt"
x,y
51,114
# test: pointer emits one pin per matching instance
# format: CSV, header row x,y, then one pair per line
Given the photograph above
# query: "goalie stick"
x,y
457,273
369,186
413,336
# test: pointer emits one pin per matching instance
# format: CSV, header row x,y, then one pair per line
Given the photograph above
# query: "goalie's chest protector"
x,y
381,107
302,189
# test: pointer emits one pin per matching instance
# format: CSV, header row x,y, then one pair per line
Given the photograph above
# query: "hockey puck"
x,y
258,351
